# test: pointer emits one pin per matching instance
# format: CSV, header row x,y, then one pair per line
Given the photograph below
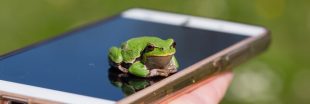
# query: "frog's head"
x,y
158,54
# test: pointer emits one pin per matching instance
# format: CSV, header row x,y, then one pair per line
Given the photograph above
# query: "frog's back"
x,y
134,46
141,42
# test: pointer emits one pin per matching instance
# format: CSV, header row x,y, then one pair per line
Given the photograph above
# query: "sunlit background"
x,y
279,76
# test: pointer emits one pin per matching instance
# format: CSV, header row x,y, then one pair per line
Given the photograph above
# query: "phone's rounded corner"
x,y
267,37
262,31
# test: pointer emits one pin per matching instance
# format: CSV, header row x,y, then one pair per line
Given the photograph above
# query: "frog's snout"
x,y
158,62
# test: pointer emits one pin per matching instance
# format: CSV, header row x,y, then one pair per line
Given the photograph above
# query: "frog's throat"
x,y
157,62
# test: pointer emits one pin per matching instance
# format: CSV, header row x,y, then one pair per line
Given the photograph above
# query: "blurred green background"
x,y
280,75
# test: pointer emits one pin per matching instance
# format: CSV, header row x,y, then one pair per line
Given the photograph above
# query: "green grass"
x,y
281,72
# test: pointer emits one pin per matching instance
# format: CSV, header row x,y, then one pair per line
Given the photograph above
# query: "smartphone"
x,y
74,67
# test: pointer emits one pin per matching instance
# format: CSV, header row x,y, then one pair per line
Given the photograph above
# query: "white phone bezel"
x,y
137,14
49,94
193,22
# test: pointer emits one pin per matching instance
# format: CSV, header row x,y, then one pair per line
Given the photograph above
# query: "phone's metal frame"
x,y
232,56
226,59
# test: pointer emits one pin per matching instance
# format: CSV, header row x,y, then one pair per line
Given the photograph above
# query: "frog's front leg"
x,y
173,65
139,69
159,72
116,58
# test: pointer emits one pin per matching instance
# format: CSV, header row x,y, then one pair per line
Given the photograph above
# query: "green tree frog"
x,y
145,57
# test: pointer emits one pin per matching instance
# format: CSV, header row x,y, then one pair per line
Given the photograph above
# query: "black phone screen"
x,y
78,63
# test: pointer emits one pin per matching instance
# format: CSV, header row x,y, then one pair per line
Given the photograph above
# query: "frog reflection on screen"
x,y
130,84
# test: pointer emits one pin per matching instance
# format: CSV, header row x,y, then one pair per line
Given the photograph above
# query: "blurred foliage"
x,y
278,76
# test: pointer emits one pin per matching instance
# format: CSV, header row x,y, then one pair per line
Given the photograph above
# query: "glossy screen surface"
x,y
78,63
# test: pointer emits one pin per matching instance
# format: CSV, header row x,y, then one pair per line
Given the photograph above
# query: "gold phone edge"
x,y
219,62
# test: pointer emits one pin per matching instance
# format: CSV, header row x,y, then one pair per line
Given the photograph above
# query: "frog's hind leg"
x,y
125,70
139,69
116,59
118,66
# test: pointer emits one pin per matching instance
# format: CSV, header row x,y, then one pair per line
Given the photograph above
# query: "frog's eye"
x,y
173,44
150,47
